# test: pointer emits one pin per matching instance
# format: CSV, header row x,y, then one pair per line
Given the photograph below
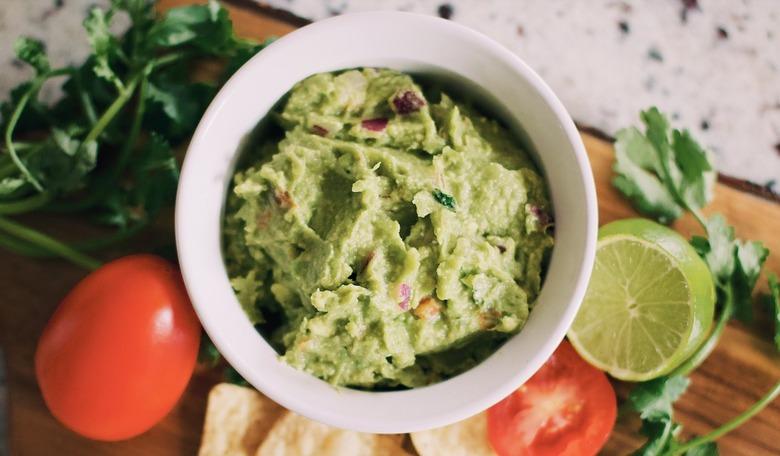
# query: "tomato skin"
x,y
567,408
119,350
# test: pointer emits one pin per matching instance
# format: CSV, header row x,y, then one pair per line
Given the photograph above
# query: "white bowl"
x,y
412,43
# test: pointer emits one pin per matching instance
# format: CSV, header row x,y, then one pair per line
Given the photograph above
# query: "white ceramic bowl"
x,y
412,43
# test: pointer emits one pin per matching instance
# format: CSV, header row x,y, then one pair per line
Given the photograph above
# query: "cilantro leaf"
x,y
654,401
659,434
10,185
663,172
735,264
104,44
774,306
750,257
176,107
32,52
698,176
654,398
208,353
157,174
635,165
444,199
206,27
232,376
657,132
62,161
140,11
718,248
245,51
86,95
149,186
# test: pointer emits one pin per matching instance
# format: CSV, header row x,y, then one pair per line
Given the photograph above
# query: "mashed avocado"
x,y
385,239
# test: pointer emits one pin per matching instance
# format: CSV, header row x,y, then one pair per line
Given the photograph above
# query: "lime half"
x,y
649,304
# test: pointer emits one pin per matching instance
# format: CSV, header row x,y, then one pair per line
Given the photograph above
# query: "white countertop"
x,y
715,69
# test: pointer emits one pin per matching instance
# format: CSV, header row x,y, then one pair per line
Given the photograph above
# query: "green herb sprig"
x,y
105,150
445,199
664,173
774,306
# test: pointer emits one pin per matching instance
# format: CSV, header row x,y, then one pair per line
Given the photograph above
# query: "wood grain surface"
x,y
743,366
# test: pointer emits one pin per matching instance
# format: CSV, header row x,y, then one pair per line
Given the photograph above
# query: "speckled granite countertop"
x,y
713,64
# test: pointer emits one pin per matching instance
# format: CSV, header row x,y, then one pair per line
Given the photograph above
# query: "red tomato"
x,y
568,408
119,350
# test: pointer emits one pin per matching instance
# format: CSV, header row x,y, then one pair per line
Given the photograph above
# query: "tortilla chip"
x,y
237,421
466,438
294,435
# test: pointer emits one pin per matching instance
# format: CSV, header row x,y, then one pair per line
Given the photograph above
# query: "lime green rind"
x,y
677,315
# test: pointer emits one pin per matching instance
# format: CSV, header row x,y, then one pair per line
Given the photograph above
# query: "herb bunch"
x,y
105,150
665,173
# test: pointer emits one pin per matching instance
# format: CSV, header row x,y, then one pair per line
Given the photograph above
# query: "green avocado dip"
x,y
385,239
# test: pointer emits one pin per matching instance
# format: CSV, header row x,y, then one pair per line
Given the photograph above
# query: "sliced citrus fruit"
x,y
649,304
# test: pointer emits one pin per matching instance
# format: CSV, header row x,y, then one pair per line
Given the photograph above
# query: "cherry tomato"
x,y
568,408
119,350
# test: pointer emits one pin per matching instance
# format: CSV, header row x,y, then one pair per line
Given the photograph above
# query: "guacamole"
x,y
385,237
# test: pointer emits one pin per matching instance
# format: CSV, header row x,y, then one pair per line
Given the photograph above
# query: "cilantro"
x,y
717,248
653,401
206,28
151,184
208,353
664,173
104,44
176,108
9,186
444,199
104,151
774,306
232,376
735,265
32,52
635,165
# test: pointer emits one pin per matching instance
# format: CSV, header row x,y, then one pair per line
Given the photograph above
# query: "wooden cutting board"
x,y
738,372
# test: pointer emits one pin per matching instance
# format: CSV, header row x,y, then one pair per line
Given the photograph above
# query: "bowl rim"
x,y
285,394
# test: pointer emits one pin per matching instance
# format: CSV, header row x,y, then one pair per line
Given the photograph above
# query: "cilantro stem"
x,y
112,110
84,246
86,102
711,342
35,85
8,167
25,205
699,218
124,154
122,159
21,145
171,58
738,421
48,243
19,247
